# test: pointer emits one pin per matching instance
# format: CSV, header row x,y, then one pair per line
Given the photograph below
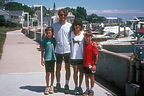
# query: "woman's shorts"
x,y
86,70
49,66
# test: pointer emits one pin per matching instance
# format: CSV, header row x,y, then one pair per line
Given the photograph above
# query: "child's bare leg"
x,y
87,80
47,78
52,78
92,80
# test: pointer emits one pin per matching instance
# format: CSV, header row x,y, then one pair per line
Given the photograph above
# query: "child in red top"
x,y
90,61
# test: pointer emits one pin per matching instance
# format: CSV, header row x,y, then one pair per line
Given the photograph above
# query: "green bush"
x,y
2,20
5,23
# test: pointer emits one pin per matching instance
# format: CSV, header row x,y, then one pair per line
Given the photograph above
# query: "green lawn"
x,y
3,31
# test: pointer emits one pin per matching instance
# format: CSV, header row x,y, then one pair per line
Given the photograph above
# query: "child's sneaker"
x,y
51,90
46,91
86,93
66,89
91,93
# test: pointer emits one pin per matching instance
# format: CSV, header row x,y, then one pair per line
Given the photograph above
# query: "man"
x,y
61,31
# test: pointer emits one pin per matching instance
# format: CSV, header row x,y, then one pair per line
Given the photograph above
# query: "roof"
x,y
111,17
2,12
17,13
70,14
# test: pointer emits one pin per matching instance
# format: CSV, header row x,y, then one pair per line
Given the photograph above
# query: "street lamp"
x,y
27,19
41,19
31,21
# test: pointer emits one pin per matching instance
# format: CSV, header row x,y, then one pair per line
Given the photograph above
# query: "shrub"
x,y
2,20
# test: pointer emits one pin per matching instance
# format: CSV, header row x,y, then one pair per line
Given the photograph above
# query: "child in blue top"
x,y
48,58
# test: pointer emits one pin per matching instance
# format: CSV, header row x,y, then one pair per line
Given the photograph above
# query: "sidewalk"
x,y
21,73
20,54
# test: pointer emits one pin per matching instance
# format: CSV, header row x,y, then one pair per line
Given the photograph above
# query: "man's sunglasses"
x,y
62,14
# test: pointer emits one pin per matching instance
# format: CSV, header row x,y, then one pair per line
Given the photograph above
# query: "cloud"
x,y
115,11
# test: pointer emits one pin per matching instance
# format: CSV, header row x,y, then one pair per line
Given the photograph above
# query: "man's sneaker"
x,y
80,90
66,89
86,93
46,92
91,93
57,88
51,90
76,91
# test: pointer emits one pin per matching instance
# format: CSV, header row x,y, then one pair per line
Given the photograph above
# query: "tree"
x,y
80,13
45,11
2,20
92,18
101,19
14,6
2,2
95,19
69,9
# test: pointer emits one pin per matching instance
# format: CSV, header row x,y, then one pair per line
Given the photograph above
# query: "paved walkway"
x,y
21,73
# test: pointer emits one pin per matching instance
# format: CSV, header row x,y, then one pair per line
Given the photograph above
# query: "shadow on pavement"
x,y
62,91
40,89
34,88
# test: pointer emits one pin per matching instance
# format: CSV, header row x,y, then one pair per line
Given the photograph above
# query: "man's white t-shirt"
x,y
77,45
61,33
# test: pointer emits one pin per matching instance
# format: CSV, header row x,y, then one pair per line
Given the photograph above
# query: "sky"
x,y
125,9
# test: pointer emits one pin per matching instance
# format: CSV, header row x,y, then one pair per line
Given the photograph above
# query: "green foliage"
x,y
101,19
79,12
90,18
14,6
5,23
2,2
69,9
39,8
2,20
35,23
95,19
11,24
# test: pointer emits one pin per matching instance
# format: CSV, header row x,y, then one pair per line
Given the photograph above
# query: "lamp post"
x,y
31,21
41,19
27,20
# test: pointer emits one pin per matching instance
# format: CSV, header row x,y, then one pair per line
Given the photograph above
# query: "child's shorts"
x,y
86,70
49,66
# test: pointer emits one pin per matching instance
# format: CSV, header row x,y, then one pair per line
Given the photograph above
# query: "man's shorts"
x,y
49,66
61,57
86,70
76,61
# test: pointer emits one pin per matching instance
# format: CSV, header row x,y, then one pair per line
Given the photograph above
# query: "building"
x,y
5,15
16,16
12,16
113,20
70,17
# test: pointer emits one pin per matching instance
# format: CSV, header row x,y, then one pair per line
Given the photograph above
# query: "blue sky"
x,y
125,9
